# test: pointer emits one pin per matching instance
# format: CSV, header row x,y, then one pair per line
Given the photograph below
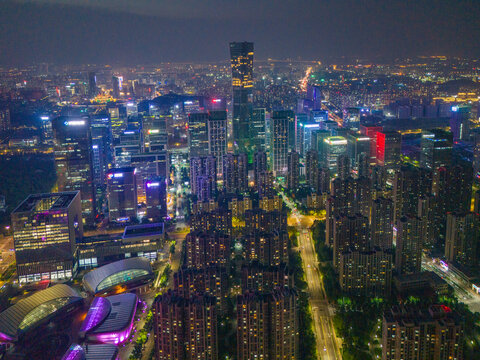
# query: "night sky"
x,y
151,31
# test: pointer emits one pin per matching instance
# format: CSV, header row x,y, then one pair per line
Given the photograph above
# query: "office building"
x,y
279,142
410,333
217,136
149,165
358,145
241,57
102,147
235,173
155,131
92,84
46,228
129,143
198,134
156,198
293,173
311,169
462,239
371,132
459,118
408,238
73,161
122,194
389,149
333,147
258,129
436,149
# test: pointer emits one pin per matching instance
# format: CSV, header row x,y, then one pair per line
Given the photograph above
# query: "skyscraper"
x,y
241,57
92,84
73,162
462,238
156,198
381,223
258,129
389,149
259,165
333,147
293,173
45,230
203,173
122,194
235,173
217,136
311,168
198,134
279,142
408,253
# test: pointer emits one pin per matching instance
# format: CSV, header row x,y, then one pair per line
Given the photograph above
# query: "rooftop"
x,y
46,202
143,230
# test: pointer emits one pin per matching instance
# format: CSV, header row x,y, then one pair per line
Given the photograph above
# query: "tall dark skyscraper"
x,y
73,160
92,84
241,56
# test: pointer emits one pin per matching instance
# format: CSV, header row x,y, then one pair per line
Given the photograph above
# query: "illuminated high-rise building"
x,y
116,87
203,177
198,134
260,165
267,325
102,155
258,129
409,241
118,119
155,134
436,149
333,147
389,149
122,194
235,173
381,223
293,173
279,142
311,169
156,198
45,230
241,57
92,84
73,161
462,238
217,136
410,333
357,145
185,328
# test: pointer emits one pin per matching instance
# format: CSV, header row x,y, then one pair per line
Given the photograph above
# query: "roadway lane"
x,y
328,345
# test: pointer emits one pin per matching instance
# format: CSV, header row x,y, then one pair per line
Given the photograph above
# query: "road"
x,y
328,345
461,288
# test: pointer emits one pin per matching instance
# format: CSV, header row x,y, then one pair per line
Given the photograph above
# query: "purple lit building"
x,y
92,352
110,320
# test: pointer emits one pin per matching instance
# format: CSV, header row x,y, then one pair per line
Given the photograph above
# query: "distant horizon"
x,y
152,32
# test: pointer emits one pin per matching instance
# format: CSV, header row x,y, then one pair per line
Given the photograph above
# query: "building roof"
x,y
117,273
35,309
143,230
46,202
91,352
122,310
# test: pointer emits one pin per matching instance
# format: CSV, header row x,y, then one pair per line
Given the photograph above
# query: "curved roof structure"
x,y
34,310
117,273
91,352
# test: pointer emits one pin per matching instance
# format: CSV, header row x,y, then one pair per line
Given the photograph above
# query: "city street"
x,y
328,345
461,288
